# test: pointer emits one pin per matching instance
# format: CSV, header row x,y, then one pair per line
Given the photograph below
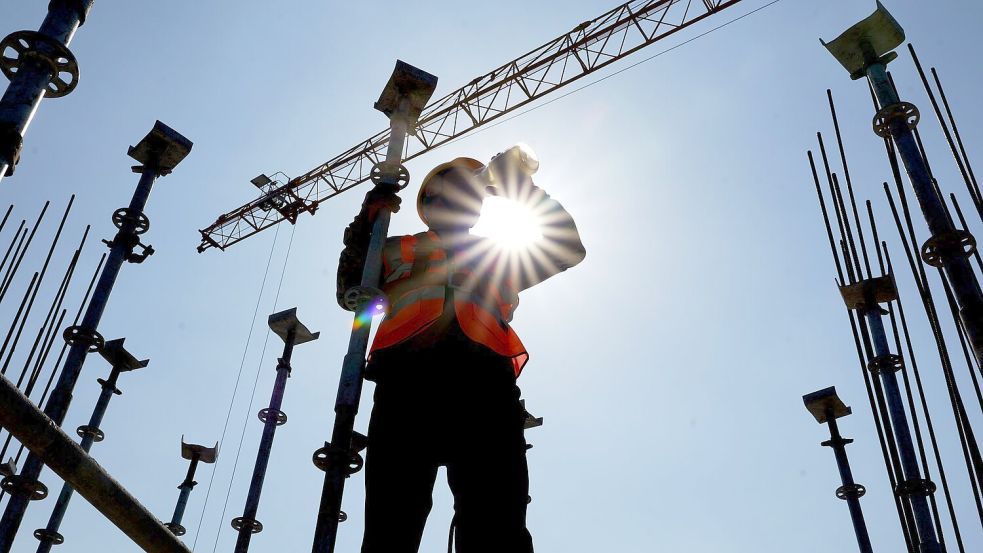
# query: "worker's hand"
x,y
377,200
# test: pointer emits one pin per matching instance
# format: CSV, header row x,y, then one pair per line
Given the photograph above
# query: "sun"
x,y
510,224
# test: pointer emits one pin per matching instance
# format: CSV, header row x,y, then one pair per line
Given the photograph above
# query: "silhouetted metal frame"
x,y
60,453
590,46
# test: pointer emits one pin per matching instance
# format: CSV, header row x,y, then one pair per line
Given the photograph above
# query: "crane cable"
x,y
252,396
235,389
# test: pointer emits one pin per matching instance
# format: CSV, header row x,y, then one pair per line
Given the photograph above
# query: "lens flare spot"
x,y
510,224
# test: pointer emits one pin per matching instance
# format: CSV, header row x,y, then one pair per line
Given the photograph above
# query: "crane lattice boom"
x,y
589,47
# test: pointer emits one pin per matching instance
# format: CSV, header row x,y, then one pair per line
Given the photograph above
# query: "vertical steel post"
x,y
159,152
911,486
194,453
121,361
864,50
826,407
293,332
948,247
402,100
40,64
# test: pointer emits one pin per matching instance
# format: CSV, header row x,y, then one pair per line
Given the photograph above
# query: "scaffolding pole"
x,y
54,448
39,65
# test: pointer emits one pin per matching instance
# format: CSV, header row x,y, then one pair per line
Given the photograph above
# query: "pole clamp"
x,y
11,144
385,173
836,442
265,414
850,491
254,526
32,46
44,535
131,224
82,336
946,245
19,485
107,386
329,456
915,487
93,431
126,216
906,112
175,528
357,297
888,362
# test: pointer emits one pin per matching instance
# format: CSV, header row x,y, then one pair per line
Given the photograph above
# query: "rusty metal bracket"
x,y
955,243
254,526
357,296
29,46
124,215
86,430
43,535
885,117
17,484
915,487
266,413
889,362
867,293
89,338
850,490
389,174
328,455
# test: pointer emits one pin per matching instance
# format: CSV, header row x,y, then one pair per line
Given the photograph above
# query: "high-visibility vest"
x,y
417,278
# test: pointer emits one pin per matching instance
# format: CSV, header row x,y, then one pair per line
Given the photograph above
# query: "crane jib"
x,y
590,46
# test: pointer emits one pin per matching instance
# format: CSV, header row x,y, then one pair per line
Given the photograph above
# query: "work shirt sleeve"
x,y
557,250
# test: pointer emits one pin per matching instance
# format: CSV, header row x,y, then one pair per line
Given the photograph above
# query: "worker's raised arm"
x,y
356,240
559,248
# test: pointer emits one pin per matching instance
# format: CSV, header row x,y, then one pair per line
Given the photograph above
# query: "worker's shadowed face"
x,y
453,200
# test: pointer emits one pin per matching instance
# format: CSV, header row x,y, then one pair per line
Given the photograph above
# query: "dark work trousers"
x,y
455,404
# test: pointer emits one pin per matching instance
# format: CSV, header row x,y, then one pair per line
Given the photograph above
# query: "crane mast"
x,y
590,46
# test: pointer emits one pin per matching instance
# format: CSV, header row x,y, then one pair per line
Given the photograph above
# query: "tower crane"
x,y
588,47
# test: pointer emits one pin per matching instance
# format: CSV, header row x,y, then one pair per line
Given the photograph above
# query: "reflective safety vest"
x,y
417,277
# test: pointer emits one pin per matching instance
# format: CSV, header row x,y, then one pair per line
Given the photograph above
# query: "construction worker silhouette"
x,y
445,362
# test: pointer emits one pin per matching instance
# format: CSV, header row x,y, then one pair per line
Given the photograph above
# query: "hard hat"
x,y
465,163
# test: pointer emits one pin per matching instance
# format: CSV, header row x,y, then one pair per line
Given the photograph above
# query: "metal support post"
x,y
159,152
865,297
38,64
826,407
865,50
404,96
293,332
193,453
44,438
121,361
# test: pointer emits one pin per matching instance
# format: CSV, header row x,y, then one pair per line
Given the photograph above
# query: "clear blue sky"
x,y
669,366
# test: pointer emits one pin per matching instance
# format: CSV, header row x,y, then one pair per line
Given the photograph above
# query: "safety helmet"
x,y
466,163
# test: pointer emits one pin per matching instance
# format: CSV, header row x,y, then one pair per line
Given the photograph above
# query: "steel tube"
x,y
45,439
27,87
838,444
927,539
186,486
61,396
965,285
265,446
65,496
350,385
